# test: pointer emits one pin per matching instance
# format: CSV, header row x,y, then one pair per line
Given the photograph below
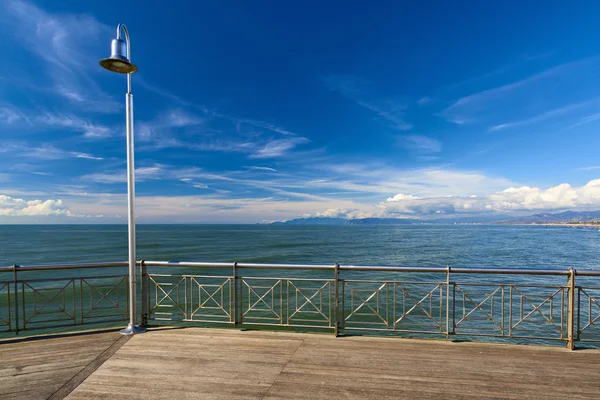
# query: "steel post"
x,y
234,305
16,282
336,313
145,292
571,310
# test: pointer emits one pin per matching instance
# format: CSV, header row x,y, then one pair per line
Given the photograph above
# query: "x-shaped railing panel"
x,y
5,319
536,310
365,302
417,303
211,299
479,308
110,296
309,300
47,300
167,295
264,302
589,312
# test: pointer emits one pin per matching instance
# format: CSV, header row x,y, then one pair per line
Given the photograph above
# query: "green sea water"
x,y
476,246
486,246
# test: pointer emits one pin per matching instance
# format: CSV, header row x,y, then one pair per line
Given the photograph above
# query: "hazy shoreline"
x,y
570,224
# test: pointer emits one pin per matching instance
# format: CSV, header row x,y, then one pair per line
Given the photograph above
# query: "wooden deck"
x,y
42,368
197,363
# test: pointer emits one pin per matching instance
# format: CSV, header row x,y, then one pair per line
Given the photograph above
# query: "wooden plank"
x,y
194,363
230,364
375,368
35,368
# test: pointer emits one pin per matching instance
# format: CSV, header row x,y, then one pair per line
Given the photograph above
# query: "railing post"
x,y
16,281
571,310
234,306
448,303
145,293
336,313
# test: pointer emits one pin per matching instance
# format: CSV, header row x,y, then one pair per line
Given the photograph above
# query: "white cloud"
x,y
586,120
9,115
261,124
518,101
15,207
43,152
543,116
402,197
485,95
336,213
88,129
420,143
591,168
257,168
354,89
425,101
68,44
157,171
277,148
513,199
85,156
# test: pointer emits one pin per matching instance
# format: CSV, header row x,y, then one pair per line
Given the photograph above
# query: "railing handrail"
x,y
329,267
42,267
391,301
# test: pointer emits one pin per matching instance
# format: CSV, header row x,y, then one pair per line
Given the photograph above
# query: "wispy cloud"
x,y
164,130
258,168
592,168
277,148
261,124
420,143
586,120
46,152
179,128
141,174
66,43
551,72
211,113
425,101
87,156
89,129
543,116
352,88
521,96
11,115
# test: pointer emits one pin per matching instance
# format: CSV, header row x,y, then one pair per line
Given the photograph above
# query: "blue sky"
x,y
264,111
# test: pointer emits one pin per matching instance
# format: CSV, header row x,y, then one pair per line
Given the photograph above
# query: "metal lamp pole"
x,y
119,62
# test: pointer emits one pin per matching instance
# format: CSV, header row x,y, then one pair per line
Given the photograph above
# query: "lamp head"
x,y
118,60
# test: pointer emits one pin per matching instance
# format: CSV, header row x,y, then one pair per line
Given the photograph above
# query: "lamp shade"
x,y
118,61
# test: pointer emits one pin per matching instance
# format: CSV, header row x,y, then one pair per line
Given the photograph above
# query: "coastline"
x,y
569,224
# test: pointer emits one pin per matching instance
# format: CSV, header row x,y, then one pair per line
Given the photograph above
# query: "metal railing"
x,y
49,297
524,304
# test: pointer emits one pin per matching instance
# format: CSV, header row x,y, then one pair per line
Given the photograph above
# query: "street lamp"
x,y
119,61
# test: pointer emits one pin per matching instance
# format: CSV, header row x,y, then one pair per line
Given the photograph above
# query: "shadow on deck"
x,y
229,364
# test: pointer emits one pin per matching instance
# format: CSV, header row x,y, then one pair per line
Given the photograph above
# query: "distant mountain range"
x,y
566,216
542,218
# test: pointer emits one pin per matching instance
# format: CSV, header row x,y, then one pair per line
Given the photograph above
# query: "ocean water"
x,y
485,246
481,246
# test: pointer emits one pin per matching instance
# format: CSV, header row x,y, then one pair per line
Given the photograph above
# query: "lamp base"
x,y
132,330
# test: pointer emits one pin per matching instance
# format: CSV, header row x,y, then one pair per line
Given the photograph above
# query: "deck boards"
x,y
35,368
196,363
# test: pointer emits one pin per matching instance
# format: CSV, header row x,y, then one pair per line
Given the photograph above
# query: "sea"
x,y
481,246
475,246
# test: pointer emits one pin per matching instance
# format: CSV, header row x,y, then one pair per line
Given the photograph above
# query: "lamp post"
x,y
119,62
